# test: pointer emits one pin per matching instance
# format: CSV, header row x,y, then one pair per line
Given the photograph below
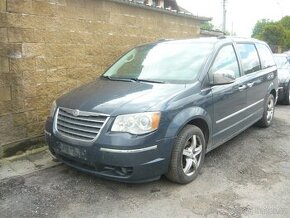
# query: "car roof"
x,y
213,40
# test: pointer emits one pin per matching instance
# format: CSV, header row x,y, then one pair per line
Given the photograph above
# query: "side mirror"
x,y
223,77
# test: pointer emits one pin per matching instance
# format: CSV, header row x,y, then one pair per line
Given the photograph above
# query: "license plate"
x,y
72,151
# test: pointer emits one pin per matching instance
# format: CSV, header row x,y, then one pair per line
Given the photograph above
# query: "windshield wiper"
x,y
147,80
117,78
132,79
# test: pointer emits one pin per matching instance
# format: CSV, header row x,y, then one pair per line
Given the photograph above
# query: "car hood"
x,y
119,97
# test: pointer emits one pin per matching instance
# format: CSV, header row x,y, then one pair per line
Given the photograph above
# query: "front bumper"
x,y
122,159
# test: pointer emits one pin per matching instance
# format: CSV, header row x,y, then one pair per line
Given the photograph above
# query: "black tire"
x,y
183,144
268,113
286,100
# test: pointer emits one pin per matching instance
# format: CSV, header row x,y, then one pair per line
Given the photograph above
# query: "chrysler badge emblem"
x,y
76,113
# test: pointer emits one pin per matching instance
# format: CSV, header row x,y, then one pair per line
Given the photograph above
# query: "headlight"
x,y
138,124
52,110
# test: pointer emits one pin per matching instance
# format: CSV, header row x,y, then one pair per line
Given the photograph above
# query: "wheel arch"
x,y
191,116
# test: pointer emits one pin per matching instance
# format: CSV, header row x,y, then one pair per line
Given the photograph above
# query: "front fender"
x,y
184,117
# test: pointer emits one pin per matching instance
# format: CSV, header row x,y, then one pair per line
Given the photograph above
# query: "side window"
x,y
226,59
266,56
249,58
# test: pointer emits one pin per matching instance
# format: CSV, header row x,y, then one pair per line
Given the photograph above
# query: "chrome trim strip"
x,y
129,151
83,113
240,111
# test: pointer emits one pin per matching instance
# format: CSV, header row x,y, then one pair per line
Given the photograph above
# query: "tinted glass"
x,y
249,56
163,62
226,59
266,56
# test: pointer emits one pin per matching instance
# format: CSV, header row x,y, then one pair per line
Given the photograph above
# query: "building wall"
x,y
48,47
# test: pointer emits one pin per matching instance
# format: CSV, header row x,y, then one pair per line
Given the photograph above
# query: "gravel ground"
x,y
247,177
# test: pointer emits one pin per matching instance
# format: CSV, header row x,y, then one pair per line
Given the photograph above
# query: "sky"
x,y
242,15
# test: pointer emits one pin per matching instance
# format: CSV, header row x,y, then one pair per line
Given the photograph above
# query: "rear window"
x,y
249,57
266,56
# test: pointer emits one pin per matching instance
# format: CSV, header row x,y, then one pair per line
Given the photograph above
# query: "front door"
x,y
229,100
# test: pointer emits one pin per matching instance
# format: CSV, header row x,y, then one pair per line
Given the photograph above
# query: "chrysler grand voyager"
x,y
162,106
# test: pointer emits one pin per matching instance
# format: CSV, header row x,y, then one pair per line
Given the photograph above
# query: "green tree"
x,y
274,34
207,26
259,27
285,22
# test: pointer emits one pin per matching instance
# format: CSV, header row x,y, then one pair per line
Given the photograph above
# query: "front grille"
x,y
82,126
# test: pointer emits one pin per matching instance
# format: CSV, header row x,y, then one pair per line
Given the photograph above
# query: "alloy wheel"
x,y
191,155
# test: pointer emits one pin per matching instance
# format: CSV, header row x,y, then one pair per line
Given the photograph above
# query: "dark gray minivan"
x,y
162,106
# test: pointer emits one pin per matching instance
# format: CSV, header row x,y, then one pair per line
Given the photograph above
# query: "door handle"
x,y
250,84
243,87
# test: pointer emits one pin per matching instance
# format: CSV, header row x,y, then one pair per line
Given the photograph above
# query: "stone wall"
x,y
48,47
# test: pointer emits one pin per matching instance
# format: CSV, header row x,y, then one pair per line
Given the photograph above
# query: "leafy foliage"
x,y
274,33
207,26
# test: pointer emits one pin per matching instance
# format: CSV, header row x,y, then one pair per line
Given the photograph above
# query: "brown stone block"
x,y
34,77
31,116
3,5
53,91
103,16
3,19
32,21
6,122
65,11
5,79
19,6
31,103
4,64
17,78
49,63
14,20
18,105
66,62
56,75
122,19
30,90
5,93
32,49
86,61
14,50
62,37
21,35
3,34
17,92
35,129
75,38
22,64
19,119
64,87
75,50
93,50
43,8
5,108
43,114
43,36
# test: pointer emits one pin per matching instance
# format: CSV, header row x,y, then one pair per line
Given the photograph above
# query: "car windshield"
x,y
162,62
281,62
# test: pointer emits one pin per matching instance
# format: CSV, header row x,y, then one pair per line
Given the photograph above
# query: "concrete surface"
x,y
247,177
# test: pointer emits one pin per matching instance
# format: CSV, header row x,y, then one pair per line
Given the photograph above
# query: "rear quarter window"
x,y
249,57
266,56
